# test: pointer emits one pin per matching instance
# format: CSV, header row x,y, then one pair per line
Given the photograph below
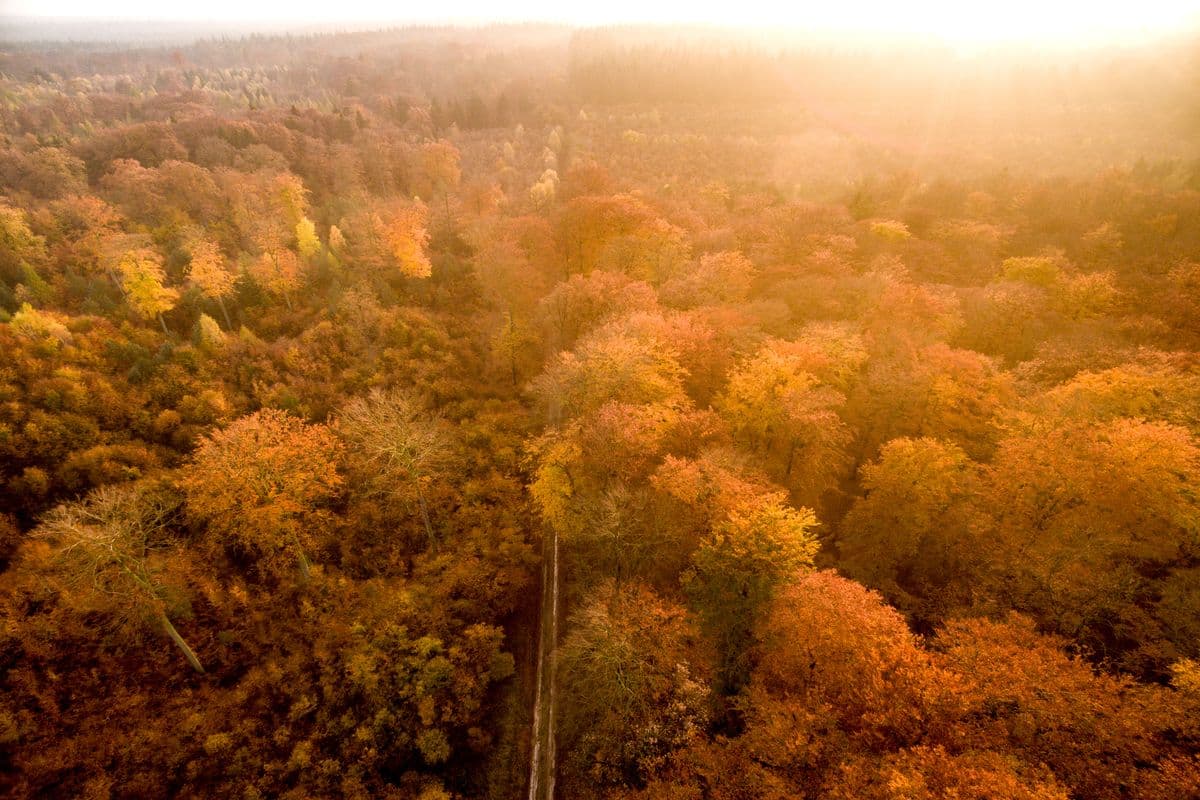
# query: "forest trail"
x,y
542,766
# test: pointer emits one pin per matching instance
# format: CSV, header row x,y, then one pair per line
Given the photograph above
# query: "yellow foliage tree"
x,y
306,238
210,273
278,272
774,403
142,278
407,237
737,569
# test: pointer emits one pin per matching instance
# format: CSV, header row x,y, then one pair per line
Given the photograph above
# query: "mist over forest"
x,y
631,413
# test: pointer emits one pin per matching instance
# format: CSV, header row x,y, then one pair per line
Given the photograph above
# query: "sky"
x,y
960,21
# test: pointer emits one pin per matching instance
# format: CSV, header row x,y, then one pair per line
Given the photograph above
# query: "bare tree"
x,y
108,549
401,446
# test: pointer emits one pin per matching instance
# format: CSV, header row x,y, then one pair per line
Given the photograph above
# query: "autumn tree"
x,y
266,207
407,239
209,272
1154,388
589,483
1006,319
930,772
21,250
277,272
908,316
621,231
112,550
938,392
1075,295
631,690
398,447
719,278
1091,517
830,643
917,533
510,282
788,414
78,233
737,569
705,769
389,240
701,491
544,190
1044,270
260,484
142,277
440,165
307,242
609,368
44,327
706,342
581,303
1027,696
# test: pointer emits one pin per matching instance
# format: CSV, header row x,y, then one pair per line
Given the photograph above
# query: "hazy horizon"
x,y
1024,22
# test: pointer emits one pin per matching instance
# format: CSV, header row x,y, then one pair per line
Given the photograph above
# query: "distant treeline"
x,y
603,74
607,68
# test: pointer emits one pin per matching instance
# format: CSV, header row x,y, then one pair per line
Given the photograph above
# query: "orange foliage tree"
x,y
260,484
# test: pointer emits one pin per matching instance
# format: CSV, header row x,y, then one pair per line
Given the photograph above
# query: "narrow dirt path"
x,y
542,758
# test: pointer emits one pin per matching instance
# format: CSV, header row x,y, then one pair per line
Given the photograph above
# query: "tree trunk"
x,y
187,651
425,517
224,312
305,567
163,322
512,347
791,457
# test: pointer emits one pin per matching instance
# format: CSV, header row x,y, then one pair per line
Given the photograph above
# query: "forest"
x,y
443,413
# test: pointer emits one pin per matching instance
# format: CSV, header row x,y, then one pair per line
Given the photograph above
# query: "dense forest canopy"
x,y
849,394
